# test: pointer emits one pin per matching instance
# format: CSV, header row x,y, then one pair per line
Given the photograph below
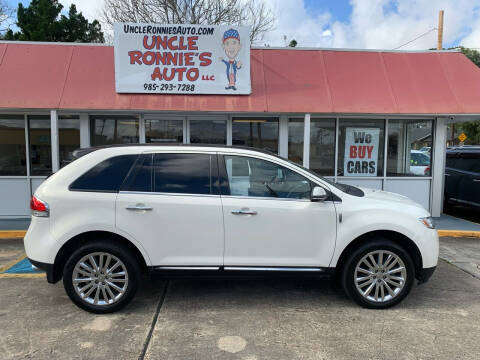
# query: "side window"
x,y
465,162
140,178
183,173
259,178
106,176
476,163
451,161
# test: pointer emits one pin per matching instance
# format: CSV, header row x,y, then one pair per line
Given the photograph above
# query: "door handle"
x,y
139,207
476,180
446,174
244,211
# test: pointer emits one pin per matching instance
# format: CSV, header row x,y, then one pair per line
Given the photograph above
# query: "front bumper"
x,y
425,274
48,268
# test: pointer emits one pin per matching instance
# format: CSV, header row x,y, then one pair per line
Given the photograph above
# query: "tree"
x,y
40,21
293,43
5,13
473,55
471,128
255,13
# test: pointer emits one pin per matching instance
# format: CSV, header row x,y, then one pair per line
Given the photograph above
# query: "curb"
x,y
12,234
458,233
20,234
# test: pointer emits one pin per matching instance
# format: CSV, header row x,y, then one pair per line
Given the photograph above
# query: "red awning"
x,y
81,77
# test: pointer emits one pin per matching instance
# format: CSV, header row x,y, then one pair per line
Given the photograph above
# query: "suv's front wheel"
x,y
378,274
101,277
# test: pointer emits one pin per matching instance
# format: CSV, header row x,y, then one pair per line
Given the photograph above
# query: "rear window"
x,y
183,173
107,176
464,161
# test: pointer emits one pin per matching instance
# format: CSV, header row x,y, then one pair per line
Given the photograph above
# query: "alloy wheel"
x,y
100,278
380,276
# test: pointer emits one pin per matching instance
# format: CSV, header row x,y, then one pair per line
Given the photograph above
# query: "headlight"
x,y
428,222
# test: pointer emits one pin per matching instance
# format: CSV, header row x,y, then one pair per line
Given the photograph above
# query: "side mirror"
x,y
318,194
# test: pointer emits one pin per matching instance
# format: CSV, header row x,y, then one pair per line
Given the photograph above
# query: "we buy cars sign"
x,y
182,59
361,152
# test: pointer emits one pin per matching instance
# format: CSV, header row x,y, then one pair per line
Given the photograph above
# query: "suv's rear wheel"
x,y
101,277
378,274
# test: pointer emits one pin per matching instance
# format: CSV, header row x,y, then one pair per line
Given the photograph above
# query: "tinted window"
x,y
451,161
12,145
419,159
183,173
140,178
260,178
107,176
467,162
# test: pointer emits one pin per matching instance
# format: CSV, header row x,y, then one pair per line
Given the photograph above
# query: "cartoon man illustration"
x,y
231,45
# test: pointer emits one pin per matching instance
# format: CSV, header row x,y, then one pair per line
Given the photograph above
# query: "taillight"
x,y
427,171
39,207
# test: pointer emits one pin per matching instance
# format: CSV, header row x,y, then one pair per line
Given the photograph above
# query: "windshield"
x,y
419,159
348,189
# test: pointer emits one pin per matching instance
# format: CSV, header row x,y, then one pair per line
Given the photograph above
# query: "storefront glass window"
x,y
361,147
40,145
12,146
68,137
409,147
295,140
208,132
258,132
113,129
322,146
164,131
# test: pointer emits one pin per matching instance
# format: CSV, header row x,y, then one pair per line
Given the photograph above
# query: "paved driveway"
x,y
240,319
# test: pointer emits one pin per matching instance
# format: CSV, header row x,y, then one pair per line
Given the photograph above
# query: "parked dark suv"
x,y
462,176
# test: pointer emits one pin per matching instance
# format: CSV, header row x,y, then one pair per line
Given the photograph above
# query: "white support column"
x,y
283,137
186,131
229,130
27,155
385,155
141,129
84,131
438,166
54,140
337,129
306,142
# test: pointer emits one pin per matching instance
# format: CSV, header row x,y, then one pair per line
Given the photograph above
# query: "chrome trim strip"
x,y
263,198
187,268
465,201
166,194
266,268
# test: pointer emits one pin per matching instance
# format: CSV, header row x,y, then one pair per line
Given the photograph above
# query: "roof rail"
x,y
84,151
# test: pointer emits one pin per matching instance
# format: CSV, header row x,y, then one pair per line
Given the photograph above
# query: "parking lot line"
x,y
11,263
2,276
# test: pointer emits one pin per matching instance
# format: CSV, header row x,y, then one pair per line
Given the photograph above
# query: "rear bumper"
x,y
425,274
48,268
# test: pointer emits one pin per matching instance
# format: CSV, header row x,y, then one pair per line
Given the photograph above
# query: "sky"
x,y
367,24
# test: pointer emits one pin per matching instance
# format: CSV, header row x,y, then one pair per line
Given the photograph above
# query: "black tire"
x,y
348,273
120,252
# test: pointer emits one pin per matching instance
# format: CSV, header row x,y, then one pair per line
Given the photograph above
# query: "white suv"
x,y
117,212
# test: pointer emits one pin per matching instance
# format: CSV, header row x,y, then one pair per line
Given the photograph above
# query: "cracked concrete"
x,y
248,319
462,252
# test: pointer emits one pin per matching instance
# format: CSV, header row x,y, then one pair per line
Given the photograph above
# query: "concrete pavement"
x,y
245,319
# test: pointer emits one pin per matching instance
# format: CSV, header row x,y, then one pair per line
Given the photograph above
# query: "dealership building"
x,y
308,105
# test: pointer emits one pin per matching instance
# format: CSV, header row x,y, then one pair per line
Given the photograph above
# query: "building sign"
x,y
182,59
361,151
